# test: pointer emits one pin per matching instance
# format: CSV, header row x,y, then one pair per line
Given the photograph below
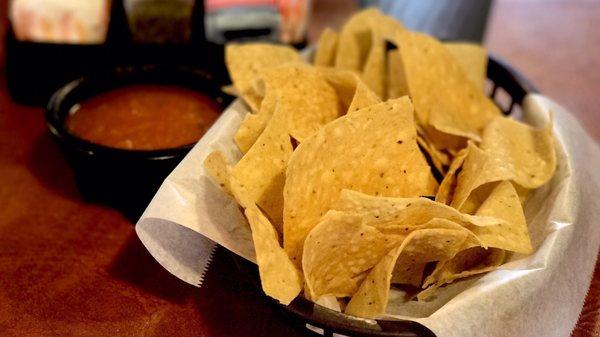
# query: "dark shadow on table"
x,y
135,265
49,166
230,305
227,304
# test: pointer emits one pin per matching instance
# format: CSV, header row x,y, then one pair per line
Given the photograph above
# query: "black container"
x,y
124,179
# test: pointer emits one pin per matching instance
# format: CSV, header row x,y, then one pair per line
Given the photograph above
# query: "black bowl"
x,y
123,179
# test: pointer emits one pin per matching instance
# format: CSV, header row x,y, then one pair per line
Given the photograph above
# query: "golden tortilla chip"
x,y
473,60
352,93
410,271
245,61
477,197
374,72
504,203
254,124
448,184
466,263
302,93
363,97
326,48
478,168
529,150
438,158
444,97
442,157
279,278
396,78
372,150
308,100
253,99
444,141
513,151
339,251
260,175
481,193
396,215
218,167
355,40
423,245
230,90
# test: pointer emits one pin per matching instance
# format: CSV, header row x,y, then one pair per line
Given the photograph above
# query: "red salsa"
x,y
144,117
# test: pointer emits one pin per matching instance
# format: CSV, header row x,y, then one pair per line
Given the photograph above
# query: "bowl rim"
x,y
122,76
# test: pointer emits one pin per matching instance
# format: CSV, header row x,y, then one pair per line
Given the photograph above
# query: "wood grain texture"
x,y
68,268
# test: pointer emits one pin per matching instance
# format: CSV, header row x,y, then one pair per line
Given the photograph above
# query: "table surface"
x,y
68,268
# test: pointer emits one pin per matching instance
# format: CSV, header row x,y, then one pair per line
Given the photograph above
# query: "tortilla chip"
x,y
424,245
473,60
397,215
410,271
363,97
438,158
230,90
302,93
254,124
513,151
523,193
372,150
260,175
387,27
444,97
245,61
253,99
307,99
448,184
477,197
355,40
481,193
444,141
218,167
504,203
373,72
529,150
338,252
442,156
326,48
279,278
467,263
396,78
352,93
478,168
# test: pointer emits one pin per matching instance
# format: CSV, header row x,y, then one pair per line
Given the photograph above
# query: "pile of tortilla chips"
x,y
340,159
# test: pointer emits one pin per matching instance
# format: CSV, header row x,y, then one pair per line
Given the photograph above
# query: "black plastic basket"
x,y
507,88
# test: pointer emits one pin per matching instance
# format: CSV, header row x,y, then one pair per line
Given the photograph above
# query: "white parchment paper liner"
x,y
537,295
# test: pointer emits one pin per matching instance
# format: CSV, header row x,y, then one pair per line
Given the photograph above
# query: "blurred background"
x,y
554,42
70,267
47,44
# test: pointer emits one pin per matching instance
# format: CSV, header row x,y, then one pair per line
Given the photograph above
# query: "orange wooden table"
x,y
68,268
